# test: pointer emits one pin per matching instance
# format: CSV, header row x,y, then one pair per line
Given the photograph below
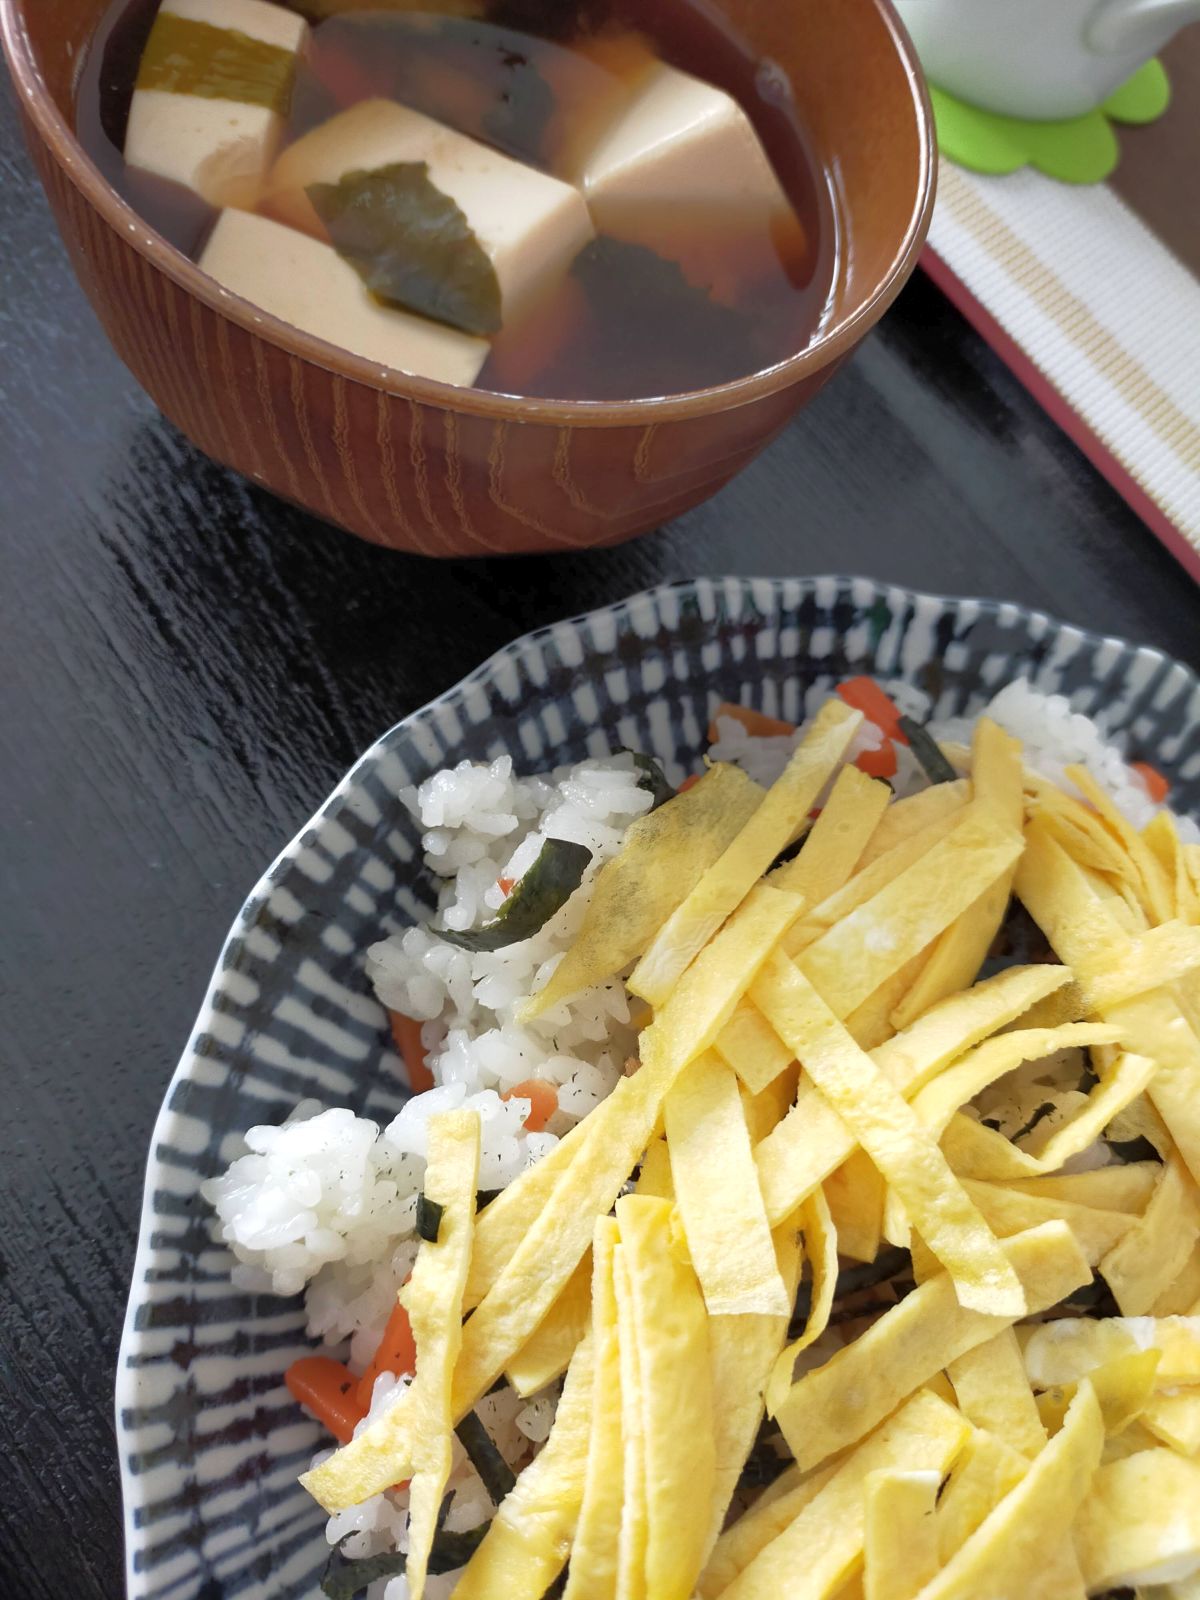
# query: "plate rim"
x,y
144,1252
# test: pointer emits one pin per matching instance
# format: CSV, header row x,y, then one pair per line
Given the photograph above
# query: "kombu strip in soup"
x,y
411,245
187,57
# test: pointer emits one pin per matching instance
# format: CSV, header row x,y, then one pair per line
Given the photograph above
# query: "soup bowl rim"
x,y
827,347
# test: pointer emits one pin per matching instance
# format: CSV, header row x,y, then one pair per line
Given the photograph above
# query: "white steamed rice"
x,y
326,1203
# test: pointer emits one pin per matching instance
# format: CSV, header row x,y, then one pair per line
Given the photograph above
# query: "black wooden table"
x,y
187,666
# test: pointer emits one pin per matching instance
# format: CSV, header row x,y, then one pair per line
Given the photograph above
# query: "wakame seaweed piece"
x,y
183,56
346,1579
411,245
927,751
654,331
429,1219
544,889
494,1472
652,778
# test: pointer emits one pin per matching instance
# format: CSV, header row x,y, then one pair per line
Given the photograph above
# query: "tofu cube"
x,y
531,226
677,150
306,283
220,148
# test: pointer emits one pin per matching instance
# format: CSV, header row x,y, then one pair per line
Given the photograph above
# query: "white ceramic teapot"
x,y
1041,59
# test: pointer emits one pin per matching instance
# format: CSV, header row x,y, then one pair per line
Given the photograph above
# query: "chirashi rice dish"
x,y
798,1196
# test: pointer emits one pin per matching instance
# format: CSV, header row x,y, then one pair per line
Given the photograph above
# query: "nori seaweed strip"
x,y
345,1579
429,1219
544,889
652,778
927,751
495,1473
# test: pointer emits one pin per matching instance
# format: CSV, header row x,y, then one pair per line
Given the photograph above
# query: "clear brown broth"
x,y
682,310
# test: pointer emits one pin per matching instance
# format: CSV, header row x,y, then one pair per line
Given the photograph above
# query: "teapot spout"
x,y
1139,26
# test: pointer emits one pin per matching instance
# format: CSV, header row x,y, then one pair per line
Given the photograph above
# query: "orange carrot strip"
x,y
1156,785
506,885
756,723
865,695
407,1037
543,1101
689,783
397,1353
879,763
328,1391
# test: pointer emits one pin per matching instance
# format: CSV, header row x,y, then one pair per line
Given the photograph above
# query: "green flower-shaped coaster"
x,y
1077,150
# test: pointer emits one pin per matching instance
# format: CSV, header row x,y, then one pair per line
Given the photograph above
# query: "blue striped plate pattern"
x,y
210,1443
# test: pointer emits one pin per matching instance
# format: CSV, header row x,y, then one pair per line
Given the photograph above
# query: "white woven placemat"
x,y
1104,313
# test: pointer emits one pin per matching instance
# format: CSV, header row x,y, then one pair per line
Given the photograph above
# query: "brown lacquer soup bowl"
x,y
423,466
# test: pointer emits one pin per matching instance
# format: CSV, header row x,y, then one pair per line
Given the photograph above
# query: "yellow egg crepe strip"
x,y
855,1195
1007,1211
765,1110
915,813
872,1022
771,827
1155,892
1084,932
1159,956
549,1226
820,1549
978,1152
507,1217
655,1178
1079,830
775,1510
960,951
1175,1419
860,952
1184,1293
937,1102
1130,1076
1065,1351
821,1249
634,1531
1145,1263
1113,1188
412,1440
985,1472
433,1300
752,1048
899,1535
742,1351
856,1388
812,1140
676,1396
1140,1522
1006,1555
1122,1387
1163,841
705,997
546,1354
877,1114
837,838
716,1188
526,1545
662,858
993,1392
593,1571
865,885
